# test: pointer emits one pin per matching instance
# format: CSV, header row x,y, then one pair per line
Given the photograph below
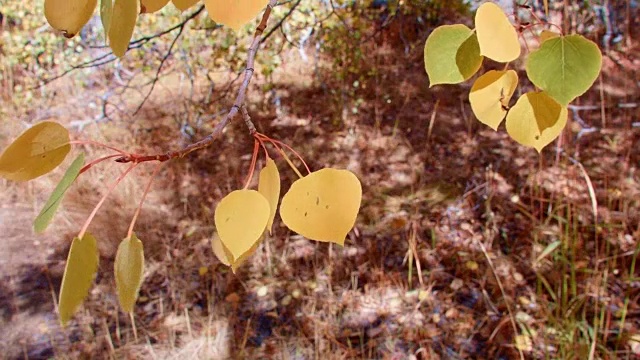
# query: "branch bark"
x,y
239,101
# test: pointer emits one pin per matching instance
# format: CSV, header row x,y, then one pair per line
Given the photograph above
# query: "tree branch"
x,y
239,101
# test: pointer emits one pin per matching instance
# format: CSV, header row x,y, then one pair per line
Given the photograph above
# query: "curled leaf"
x,y
48,211
69,16
79,273
323,205
223,254
35,152
129,269
106,11
269,186
241,218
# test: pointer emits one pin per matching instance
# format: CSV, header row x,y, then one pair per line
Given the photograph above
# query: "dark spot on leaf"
x,y
537,137
326,207
227,219
305,213
317,200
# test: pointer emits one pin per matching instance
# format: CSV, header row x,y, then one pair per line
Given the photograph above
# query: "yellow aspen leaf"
x,y
269,186
223,254
79,273
547,34
323,205
234,13
490,95
497,37
151,6
46,214
183,5
35,152
69,16
123,21
241,218
451,54
219,250
536,120
129,269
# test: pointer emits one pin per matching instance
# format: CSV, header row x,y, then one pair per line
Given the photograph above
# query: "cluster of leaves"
x,y
119,17
562,68
322,206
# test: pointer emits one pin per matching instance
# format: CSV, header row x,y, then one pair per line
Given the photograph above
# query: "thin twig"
x,y
217,131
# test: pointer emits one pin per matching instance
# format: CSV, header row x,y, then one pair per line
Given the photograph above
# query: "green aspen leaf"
x,y
79,273
234,13
51,206
536,120
151,6
183,5
497,37
451,54
123,21
565,67
69,16
106,11
269,186
490,95
323,205
547,34
35,152
129,269
241,218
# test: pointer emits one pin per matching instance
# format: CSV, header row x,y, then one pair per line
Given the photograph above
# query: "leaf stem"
x,y
144,195
109,191
252,168
97,161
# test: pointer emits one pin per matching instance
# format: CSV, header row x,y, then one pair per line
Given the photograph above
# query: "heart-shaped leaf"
x,y
36,152
82,264
128,270
536,120
323,205
69,16
490,95
565,67
241,218
51,206
451,54
497,37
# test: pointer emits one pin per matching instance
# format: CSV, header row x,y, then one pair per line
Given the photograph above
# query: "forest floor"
x,y
467,245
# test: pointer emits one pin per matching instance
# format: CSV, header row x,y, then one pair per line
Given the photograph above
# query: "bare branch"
x,y
217,131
